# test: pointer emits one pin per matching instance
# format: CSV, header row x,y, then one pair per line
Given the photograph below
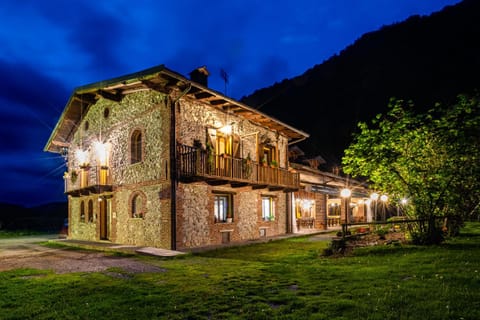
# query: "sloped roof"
x,y
161,79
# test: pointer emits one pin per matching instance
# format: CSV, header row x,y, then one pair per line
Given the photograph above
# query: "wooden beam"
x,y
117,96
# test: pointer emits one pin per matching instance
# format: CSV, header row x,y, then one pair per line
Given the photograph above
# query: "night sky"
x,y
48,48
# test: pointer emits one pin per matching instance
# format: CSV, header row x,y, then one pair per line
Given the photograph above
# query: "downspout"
x,y
290,201
296,141
173,167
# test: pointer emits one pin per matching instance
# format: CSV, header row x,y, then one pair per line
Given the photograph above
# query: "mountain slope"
x,y
424,59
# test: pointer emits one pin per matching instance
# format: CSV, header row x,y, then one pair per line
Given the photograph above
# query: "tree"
x,y
431,157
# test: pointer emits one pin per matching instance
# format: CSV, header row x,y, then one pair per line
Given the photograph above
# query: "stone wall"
x,y
146,111
82,229
196,226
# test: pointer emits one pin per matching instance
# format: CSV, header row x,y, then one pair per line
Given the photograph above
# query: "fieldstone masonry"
x,y
149,112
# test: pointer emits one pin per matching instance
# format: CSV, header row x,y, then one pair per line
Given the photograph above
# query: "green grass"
x,y
286,279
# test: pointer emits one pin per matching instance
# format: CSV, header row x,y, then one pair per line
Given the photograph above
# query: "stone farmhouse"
x,y
156,159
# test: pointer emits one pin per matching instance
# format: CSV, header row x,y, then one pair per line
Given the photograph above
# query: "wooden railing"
x,y
198,164
88,180
333,221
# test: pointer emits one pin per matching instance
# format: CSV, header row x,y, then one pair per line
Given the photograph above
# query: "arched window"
x,y
137,205
136,147
90,210
82,211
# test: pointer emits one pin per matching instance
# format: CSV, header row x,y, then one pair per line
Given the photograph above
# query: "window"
x,y
137,205
136,147
106,112
82,211
90,210
334,208
268,208
268,155
223,209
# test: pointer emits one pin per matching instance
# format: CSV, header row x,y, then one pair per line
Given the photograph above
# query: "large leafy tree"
x,y
432,157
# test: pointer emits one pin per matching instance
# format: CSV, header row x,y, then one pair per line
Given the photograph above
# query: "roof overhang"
x,y
160,79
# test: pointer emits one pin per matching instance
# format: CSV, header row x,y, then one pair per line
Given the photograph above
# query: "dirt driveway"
x,y
25,252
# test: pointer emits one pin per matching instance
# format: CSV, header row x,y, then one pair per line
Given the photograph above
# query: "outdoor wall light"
x,y
101,151
226,129
82,157
384,198
374,196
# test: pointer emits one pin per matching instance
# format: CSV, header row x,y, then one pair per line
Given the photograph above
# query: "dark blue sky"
x,y
49,47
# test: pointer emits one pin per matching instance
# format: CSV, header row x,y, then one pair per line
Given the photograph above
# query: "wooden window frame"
x,y
268,212
223,213
90,210
82,211
135,211
137,138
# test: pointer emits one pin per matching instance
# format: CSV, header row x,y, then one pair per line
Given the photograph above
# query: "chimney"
x,y
200,75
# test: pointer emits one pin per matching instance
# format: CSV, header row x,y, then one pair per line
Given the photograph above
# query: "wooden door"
x,y
103,220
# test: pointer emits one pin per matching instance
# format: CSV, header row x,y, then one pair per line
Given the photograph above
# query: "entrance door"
x,y
103,219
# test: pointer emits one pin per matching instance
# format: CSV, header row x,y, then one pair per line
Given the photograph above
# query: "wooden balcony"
x,y
194,164
88,180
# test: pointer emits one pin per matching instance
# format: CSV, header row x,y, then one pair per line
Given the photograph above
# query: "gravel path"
x,y
25,252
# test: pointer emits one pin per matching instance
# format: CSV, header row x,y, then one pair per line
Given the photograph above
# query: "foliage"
x,y
432,157
286,279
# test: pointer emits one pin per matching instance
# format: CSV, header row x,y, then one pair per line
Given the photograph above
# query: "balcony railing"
x,y
196,164
88,180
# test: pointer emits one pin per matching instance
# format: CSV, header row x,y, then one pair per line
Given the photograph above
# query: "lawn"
x,y
285,279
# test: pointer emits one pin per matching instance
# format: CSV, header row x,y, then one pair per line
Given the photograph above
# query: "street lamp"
x,y
384,199
374,197
345,194
403,202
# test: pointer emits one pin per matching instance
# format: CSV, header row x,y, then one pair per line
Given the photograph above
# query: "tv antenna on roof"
x,y
224,76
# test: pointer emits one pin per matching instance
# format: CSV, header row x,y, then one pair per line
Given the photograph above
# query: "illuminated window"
x,y
137,205
82,211
90,210
223,209
334,209
136,147
268,208
227,144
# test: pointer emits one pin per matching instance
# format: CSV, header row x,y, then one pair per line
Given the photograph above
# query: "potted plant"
x,y
210,157
247,166
73,176
274,164
264,162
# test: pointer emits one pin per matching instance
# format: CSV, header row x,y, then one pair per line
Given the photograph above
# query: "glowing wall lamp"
x,y
226,129
82,158
101,151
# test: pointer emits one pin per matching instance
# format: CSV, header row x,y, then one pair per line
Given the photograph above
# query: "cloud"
x,y
31,179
